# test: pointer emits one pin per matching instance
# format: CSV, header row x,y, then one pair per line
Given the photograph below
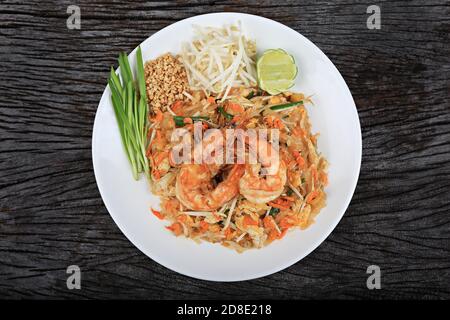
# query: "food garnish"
x,y
276,71
130,106
166,81
286,106
227,115
218,59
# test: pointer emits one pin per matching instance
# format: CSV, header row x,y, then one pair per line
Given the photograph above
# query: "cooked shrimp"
x,y
195,189
262,189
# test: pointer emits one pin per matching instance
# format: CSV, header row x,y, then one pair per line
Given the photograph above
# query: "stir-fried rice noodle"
x,y
213,202
234,204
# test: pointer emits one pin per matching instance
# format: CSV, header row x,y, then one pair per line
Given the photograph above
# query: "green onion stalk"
x,y
130,105
286,106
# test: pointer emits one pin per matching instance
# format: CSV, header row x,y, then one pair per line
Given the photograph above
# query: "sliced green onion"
x,y
274,211
286,105
250,95
254,93
179,120
224,113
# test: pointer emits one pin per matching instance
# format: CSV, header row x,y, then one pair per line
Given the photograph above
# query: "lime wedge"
x,y
276,71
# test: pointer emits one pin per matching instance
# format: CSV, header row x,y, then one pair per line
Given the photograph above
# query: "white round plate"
x,y
334,115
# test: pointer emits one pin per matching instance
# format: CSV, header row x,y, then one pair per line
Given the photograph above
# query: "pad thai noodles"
x,y
231,203
208,91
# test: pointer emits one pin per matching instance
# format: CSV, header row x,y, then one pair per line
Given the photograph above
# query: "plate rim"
x,y
287,263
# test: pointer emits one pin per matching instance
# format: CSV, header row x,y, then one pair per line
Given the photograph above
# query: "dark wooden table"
x,y
51,213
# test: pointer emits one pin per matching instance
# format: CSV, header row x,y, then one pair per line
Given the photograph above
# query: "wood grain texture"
x,y
51,213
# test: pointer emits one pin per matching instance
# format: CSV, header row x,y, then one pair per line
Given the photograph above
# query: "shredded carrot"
x,y
299,132
228,233
311,196
204,226
176,228
177,106
157,214
273,235
234,107
248,221
269,223
236,119
211,100
158,117
277,123
299,159
156,174
282,202
274,122
187,121
278,201
283,233
278,206
285,223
